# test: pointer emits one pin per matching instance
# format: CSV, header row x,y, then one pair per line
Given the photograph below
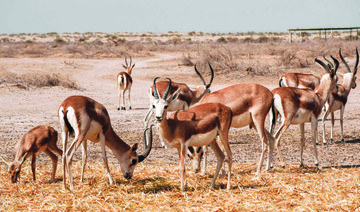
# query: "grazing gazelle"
x,y
124,82
297,106
196,126
299,80
89,120
249,103
186,97
38,139
337,101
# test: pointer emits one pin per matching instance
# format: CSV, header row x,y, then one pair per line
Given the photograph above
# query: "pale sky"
x,y
160,16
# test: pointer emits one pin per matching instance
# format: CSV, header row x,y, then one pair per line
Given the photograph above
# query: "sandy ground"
x,y
23,109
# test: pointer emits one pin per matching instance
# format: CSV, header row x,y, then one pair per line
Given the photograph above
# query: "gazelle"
x,y
89,120
38,139
249,103
297,106
124,82
337,101
186,97
196,126
299,80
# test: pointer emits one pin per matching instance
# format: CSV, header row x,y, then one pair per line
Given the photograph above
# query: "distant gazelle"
x,y
124,82
196,126
298,106
38,139
87,119
337,101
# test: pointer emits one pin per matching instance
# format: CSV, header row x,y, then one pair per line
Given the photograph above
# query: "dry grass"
x,y
155,187
32,80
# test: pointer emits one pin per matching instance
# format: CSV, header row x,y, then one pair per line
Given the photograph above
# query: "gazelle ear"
x,y
133,66
124,66
173,96
134,147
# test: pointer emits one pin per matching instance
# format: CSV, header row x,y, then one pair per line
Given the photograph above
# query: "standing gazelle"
x,y
186,97
124,82
338,100
196,126
297,106
89,120
249,103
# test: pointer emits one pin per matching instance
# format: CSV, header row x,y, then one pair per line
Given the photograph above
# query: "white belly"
x,y
202,139
241,120
302,116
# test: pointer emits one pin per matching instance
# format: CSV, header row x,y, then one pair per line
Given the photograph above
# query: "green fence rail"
x,y
324,30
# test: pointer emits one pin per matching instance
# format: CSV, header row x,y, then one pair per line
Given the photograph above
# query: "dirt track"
x,y
23,109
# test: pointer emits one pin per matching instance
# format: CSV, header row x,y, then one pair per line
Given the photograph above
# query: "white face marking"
x,y
159,106
241,120
202,139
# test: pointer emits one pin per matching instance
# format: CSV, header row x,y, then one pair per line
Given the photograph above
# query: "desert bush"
x,y
33,80
263,39
221,59
232,39
59,40
221,40
248,40
186,60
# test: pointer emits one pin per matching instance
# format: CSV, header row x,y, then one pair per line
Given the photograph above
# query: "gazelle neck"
x,y
347,82
129,70
115,143
199,92
323,89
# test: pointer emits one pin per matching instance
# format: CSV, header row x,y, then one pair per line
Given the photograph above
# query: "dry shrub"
x,y
221,59
290,59
186,60
32,80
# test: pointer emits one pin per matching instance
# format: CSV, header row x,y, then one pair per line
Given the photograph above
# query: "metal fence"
x,y
323,31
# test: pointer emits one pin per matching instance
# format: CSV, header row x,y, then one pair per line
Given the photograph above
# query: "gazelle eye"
x,y
153,106
166,107
133,161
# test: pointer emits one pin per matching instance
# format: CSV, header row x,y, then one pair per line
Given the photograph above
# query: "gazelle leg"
x,y
64,136
54,160
278,134
102,144
225,143
324,129
182,154
259,121
220,159
206,152
314,137
342,109
119,96
129,99
84,159
123,100
302,142
271,142
33,166
332,127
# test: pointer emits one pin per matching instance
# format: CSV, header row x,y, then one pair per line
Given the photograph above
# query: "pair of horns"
x,y
156,93
127,62
147,148
345,63
331,64
201,77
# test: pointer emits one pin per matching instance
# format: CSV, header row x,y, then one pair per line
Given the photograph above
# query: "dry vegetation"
x,y
156,187
156,183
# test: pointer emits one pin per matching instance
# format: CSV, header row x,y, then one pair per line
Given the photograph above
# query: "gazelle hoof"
x,y
130,108
332,140
325,145
118,108
302,165
318,167
123,108
342,141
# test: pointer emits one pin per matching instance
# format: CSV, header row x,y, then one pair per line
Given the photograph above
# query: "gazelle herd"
x,y
199,117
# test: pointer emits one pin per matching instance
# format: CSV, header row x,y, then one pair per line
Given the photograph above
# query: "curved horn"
x,y
336,62
343,60
130,61
126,61
167,89
323,65
156,93
198,73
332,65
357,61
148,148
212,76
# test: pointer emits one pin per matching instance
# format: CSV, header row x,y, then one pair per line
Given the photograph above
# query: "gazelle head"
x,y
331,74
128,67
15,168
196,155
130,159
351,74
205,88
160,105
